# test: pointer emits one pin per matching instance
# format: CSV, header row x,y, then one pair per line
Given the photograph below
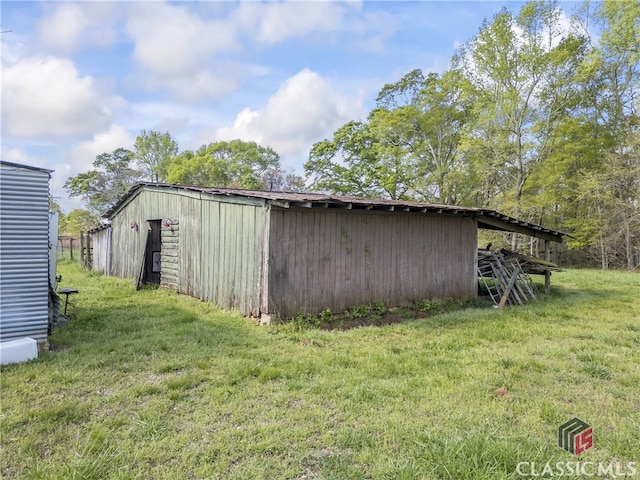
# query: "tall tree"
x,y
599,202
235,163
407,148
419,122
78,220
610,198
354,162
520,69
54,206
101,188
153,152
277,179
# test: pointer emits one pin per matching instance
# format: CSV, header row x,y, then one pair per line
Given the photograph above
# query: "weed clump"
x,y
376,313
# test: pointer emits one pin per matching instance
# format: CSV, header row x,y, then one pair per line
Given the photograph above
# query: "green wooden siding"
x,y
215,247
232,253
243,254
322,258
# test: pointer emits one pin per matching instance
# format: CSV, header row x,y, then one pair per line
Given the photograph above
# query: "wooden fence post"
x,y
547,273
82,248
88,257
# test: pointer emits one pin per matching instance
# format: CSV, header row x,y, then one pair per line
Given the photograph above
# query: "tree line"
x,y
534,117
155,158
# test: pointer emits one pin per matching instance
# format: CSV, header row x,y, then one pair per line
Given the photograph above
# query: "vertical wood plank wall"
x,y
341,258
217,245
231,248
101,240
128,243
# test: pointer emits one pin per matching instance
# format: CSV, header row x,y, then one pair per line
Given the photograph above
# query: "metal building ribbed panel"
x,y
24,252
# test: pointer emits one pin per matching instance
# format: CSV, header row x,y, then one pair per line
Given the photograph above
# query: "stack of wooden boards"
x,y
504,275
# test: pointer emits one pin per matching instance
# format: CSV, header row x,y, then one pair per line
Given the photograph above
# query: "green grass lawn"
x,y
154,385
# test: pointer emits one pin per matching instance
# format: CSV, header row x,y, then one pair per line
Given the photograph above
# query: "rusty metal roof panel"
x,y
486,218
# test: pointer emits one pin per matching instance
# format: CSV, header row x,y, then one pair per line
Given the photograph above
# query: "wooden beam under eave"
x,y
280,203
510,227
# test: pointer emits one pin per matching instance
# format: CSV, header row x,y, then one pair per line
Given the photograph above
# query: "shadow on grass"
x,y
152,323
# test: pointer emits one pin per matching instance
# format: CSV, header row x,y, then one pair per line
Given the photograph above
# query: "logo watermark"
x,y
576,437
577,469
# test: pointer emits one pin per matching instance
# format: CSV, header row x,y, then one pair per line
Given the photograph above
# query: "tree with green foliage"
x,y
234,163
276,179
407,148
54,207
354,163
598,201
78,220
419,122
101,188
521,68
153,152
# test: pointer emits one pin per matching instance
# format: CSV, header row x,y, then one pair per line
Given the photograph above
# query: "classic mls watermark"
x,y
577,469
576,437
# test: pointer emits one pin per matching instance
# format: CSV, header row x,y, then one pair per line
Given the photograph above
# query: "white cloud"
x,y
79,158
68,27
17,155
198,85
84,153
304,110
278,21
174,48
14,47
45,97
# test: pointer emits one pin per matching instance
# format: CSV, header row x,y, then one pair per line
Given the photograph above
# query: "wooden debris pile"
x,y
531,265
504,278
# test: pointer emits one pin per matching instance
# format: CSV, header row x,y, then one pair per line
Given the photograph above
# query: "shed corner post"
x,y
264,268
547,273
547,282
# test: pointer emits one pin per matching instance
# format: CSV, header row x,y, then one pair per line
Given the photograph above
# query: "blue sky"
x,y
82,78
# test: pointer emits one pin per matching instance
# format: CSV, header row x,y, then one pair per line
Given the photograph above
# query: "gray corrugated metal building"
x,y
24,252
283,253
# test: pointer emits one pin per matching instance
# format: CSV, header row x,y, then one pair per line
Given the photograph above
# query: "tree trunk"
x,y
516,213
629,246
603,253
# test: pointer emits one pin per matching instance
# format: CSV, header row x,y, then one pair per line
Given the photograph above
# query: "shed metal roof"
x,y
26,167
487,218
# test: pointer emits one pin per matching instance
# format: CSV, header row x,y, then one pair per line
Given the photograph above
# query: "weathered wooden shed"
x,y
100,248
26,283
283,253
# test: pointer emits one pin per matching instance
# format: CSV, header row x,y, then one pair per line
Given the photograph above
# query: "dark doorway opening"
x,y
152,262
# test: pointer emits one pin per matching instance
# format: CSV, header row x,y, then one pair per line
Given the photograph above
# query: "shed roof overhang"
x,y
487,219
25,167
